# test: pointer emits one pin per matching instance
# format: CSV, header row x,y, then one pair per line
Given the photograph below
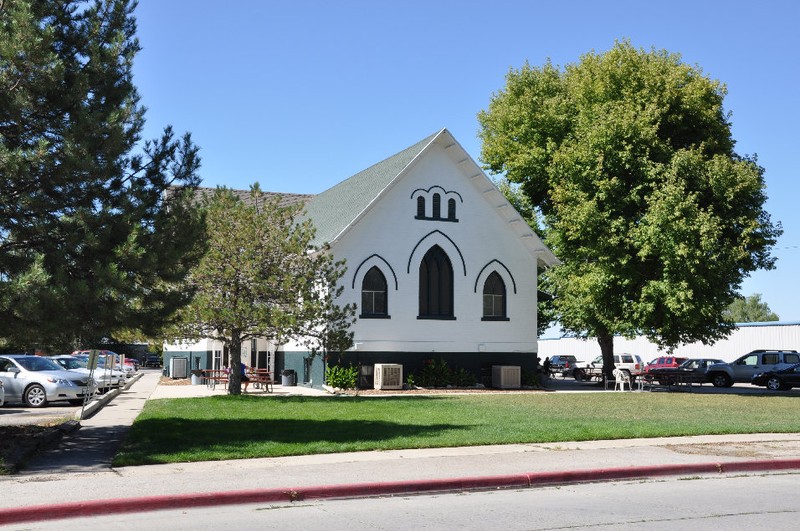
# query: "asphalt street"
x,y
78,473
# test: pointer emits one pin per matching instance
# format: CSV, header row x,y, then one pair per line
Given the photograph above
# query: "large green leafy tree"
x,y
89,244
262,278
628,156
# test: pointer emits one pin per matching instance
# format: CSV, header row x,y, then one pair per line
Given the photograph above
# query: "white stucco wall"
x,y
390,231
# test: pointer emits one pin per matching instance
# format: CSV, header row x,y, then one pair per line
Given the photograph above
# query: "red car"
x,y
664,362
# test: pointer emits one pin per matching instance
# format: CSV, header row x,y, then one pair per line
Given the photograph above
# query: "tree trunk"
x,y
606,342
235,355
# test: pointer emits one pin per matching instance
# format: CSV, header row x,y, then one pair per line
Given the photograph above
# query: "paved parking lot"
x,y
17,414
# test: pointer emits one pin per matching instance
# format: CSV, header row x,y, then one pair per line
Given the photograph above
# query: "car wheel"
x,y
579,374
774,384
35,396
721,380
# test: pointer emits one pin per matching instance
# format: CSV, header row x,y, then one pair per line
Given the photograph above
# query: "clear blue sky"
x,y
298,95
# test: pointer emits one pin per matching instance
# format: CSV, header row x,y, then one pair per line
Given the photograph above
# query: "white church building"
x,y
439,264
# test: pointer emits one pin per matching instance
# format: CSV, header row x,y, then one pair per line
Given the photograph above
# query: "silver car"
x,y
106,379
36,380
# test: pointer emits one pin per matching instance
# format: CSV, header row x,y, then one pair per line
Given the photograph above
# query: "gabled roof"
x,y
338,208
247,198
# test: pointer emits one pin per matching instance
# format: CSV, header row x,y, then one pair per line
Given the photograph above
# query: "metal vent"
x,y
506,376
388,376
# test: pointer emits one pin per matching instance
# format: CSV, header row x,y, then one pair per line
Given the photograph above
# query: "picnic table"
x,y
259,378
672,379
215,376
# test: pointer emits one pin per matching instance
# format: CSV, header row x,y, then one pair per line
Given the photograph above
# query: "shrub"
x,y
342,377
463,378
436,373
530,379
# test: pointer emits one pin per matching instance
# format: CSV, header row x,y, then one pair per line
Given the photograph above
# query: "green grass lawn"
x,y
241,427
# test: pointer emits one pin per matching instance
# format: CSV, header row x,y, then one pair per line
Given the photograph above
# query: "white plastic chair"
x,y
621,378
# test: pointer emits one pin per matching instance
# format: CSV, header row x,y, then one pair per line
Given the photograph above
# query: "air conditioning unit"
x,y
506,376
388,376
179,367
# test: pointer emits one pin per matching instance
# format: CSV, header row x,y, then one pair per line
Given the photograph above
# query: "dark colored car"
x,y
695,367
779,379
563,365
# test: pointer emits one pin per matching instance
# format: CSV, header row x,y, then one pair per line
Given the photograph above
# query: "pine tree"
x,y
90,243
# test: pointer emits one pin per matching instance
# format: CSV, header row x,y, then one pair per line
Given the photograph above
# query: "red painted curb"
x,y
177,501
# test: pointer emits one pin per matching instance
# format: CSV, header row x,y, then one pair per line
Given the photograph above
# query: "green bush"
x,y
436,373
463,378
342,377
530,379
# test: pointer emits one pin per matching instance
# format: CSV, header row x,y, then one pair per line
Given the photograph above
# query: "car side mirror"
x,y
14,370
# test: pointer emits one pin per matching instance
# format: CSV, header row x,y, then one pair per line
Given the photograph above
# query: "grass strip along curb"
x,y
282,495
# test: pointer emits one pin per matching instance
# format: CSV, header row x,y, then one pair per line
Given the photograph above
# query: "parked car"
x,y
563,365
152,360
2,394
778,379
629,363
110,359
37,380
105,379
743,369
695,366
664,362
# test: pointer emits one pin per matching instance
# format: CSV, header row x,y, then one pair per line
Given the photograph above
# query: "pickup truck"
x,y
630,363
743,369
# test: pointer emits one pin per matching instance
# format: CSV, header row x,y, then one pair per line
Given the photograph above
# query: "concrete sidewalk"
x,y
80,469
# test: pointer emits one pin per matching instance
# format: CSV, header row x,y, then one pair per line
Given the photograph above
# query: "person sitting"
x,y
245,378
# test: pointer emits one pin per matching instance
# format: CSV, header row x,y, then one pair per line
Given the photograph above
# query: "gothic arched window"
x,y
435,285
494,298
374,294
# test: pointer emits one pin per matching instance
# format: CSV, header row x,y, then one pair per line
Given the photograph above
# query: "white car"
x,y
105,379
110,360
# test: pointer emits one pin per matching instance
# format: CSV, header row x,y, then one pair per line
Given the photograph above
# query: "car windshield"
x,y
72,363
36,363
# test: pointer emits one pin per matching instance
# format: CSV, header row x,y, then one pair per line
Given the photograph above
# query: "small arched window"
x,y
437,206
451,209
421,207
494,298
373,294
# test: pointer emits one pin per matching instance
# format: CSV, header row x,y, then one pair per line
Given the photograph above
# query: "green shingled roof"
x,y
336,208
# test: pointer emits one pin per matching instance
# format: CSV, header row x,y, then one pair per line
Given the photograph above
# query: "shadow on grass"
x,y
153,441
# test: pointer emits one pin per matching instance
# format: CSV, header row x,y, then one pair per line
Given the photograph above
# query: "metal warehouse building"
x,y
746,337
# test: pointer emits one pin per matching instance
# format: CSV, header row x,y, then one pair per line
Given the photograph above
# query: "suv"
x,y
743,369
664,362
563,365
630,363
